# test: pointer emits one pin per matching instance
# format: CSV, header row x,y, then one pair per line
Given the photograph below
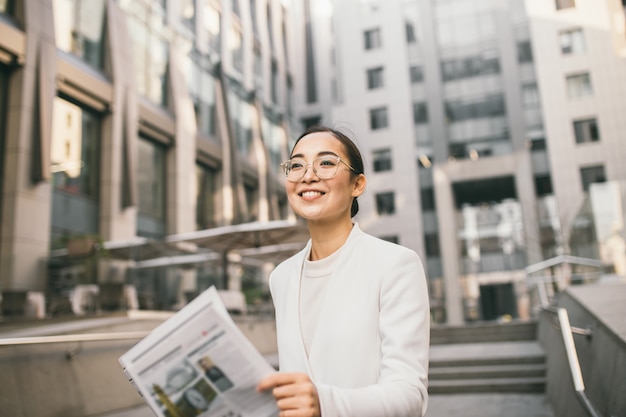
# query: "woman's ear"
x,y
359,185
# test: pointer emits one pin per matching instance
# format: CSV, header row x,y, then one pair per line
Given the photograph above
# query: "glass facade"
x,y
151,185
79,28
241,116
146,23
201,85
206,197
75,167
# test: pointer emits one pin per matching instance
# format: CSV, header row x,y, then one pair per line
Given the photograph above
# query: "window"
x,y
470,66
579,85
417,74
236,48
530,96
410,32
151,188
187,14
524,52
420,113
572,41
211,24
374,78
79,31
252,201
378,118
537,144
586,130
427,196
206,195
308,122
431,243
372,39
201,86
592,174
565,4
543,185
75,149
382,160
385,203
150,48
490,106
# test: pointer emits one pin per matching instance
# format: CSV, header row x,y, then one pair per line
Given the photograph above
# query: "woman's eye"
x,y
327,163
296,165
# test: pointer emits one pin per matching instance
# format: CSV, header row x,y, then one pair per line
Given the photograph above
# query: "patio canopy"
x,y
245,236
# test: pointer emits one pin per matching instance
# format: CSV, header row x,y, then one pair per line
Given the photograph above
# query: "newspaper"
x,y
198,363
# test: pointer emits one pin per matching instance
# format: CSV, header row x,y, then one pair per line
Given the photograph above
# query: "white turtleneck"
x,y
316,276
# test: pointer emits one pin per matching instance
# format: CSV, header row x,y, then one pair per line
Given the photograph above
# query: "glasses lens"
x,y
326,167
294,169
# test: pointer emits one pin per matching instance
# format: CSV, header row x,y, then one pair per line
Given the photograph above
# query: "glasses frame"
x,y
312,165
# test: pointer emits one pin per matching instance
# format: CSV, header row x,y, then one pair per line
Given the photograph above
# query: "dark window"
x,y
372,39
375,78
382,160
410,33
420,113
417,74
206,197
378,118
471,66
431,242
460,110
590,175
524,52
538,144
308,122
543,185
427,195
565,4
586,131
385,203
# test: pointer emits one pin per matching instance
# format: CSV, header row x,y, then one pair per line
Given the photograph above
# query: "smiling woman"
x,y
352,311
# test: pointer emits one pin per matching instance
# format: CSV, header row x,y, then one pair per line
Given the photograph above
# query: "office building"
x,y
131,120
485,125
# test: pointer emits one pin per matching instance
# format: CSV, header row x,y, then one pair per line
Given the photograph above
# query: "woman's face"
x,y
315,199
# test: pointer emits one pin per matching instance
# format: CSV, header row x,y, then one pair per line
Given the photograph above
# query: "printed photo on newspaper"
x,y
198,363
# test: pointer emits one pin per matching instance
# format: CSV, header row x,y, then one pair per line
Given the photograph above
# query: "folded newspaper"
x,y
198,363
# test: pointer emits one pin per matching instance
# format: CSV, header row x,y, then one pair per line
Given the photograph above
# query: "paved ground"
x,y
489,405
467,405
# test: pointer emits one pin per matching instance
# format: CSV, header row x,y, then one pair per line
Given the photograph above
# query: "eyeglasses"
x,y
324,167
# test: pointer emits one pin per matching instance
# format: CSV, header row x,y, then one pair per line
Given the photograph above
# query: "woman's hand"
x,y
295,393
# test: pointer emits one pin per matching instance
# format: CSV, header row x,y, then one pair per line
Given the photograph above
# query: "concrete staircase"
x,y
486,358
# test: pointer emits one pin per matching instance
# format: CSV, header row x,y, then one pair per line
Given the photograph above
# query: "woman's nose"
x,y
309,173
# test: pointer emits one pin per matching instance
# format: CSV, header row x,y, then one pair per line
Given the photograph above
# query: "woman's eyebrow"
x,y
323,153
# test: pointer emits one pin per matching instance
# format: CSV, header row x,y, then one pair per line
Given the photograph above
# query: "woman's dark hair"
x,y
354,155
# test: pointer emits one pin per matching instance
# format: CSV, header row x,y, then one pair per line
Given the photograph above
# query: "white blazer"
x,y
369,355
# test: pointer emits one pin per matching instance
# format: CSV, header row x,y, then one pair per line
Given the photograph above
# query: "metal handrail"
x,y
572,358
86,337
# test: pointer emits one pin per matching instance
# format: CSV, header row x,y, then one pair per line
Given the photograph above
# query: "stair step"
x,y
488,361
456,386
483,332
482,372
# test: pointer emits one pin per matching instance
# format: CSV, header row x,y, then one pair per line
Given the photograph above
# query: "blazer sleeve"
x,y
404,327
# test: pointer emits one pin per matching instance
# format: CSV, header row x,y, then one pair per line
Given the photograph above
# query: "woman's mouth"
x,y
310,194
